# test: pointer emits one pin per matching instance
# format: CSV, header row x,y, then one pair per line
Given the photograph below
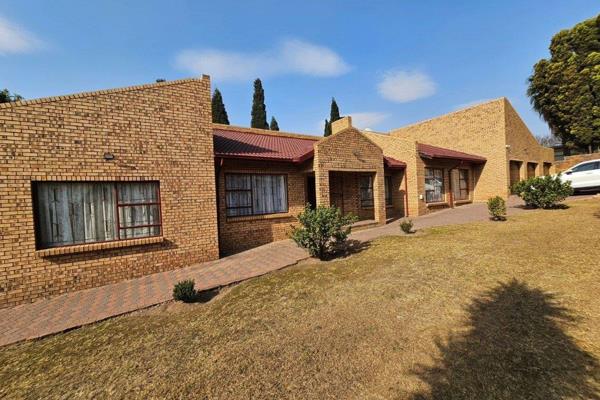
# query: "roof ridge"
x,y
49,99
258,131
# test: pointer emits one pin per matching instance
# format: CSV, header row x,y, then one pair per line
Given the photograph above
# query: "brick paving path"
x,y
45,317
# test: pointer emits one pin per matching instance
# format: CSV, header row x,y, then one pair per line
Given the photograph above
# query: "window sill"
x,y
260,217
462,201
438,204
83,248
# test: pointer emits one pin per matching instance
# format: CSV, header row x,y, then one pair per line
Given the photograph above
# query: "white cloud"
x,y
368,120
405,86
15,39
471,104
290,57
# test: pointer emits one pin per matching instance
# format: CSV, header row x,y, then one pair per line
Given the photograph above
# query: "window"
x,y
463,184
388,190
69,213
586,167
247,194
366,191
434,185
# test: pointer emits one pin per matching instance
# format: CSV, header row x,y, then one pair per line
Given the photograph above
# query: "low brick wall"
x,y
570,161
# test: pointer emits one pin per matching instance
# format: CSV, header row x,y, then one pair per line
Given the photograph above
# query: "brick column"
x,y
322,187
379,197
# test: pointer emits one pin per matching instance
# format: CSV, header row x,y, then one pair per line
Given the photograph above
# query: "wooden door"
x,y
336,191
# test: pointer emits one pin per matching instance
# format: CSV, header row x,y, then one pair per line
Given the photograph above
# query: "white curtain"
x,y
133,212
70,213
269,193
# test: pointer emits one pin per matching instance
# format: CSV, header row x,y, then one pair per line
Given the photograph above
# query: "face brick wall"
x,y
351,151
242,233
571,161
522,146
156,132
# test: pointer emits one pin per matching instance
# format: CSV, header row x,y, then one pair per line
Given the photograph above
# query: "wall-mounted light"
x,y
109,156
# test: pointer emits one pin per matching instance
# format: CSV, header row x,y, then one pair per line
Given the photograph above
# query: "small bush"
x,y
322,229
543,192
407,226
497,208
184,291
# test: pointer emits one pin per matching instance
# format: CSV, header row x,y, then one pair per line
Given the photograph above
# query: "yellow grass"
x,y
507,310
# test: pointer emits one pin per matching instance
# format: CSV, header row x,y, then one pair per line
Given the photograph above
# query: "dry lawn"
x,y
505,310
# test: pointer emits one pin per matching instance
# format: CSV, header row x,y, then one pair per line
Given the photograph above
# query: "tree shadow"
x,y
515,348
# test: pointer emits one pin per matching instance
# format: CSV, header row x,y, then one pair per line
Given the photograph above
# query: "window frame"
x,y
36,219
443,192
370,202
253,214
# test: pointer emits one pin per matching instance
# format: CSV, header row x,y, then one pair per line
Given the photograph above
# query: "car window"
x,y
586,167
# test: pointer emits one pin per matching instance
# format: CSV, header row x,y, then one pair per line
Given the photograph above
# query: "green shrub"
x,y
184,291
543,192
322,229
406,226
497,208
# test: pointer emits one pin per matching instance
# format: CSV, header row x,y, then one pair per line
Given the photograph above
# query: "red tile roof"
x,y
236,144
393,163
429,151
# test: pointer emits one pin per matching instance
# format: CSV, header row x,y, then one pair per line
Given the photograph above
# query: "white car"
x,y
584,176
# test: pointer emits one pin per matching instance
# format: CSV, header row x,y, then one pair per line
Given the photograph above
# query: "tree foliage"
x,y
219,113
7,97
274,126
334,113
565,89
259,110
322,230
327,129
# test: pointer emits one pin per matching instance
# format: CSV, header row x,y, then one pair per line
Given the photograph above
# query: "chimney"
x,y
341,124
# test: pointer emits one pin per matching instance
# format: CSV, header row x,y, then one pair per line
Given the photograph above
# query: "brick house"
x,y
110,185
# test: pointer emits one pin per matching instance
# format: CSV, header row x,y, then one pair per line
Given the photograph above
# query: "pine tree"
x,y
219,113
327,130
274,125
334,114
259,110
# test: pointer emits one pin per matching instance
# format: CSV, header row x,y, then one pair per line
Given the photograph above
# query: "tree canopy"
x,y
334,115
259,110
565,88
274,126
219,113
7,97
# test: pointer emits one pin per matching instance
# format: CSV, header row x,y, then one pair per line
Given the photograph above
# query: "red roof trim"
x,y
428,151
392,163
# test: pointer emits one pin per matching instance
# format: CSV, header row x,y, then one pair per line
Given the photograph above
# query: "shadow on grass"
x,y
514,348
350,247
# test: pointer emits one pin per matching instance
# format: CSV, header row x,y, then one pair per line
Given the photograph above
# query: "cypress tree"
x,y
334,114
274,125
219,113
259,110
327,130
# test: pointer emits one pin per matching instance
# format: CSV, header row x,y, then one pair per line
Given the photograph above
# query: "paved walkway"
x,y
45,317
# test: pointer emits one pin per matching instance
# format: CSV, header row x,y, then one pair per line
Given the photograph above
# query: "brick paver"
x,y
45,317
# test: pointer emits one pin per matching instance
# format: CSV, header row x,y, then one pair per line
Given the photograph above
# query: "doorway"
x,y
515,173
311,191
336,190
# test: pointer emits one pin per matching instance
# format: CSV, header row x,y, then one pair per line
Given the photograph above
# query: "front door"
x,y
311,191
515,172
336,191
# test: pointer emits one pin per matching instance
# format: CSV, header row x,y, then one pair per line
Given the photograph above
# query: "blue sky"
x,y
388,63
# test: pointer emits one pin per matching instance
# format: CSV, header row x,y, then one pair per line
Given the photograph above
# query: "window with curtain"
x,y
388,190
69,213
255,194
463,184
434,185
366,191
